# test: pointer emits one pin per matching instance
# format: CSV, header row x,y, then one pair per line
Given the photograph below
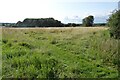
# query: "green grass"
x,y
0,53
59,53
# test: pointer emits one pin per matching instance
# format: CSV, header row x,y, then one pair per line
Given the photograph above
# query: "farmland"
x,y
81,52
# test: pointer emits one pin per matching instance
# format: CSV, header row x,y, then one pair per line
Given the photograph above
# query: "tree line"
x,y
40,22
51,22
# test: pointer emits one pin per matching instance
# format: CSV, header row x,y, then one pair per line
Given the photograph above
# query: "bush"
x,y
114,24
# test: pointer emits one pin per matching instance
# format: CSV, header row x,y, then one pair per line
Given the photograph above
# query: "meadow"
x,y
0,53
81,52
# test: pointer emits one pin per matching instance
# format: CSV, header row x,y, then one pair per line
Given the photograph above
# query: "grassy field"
x,y
59,53
0,53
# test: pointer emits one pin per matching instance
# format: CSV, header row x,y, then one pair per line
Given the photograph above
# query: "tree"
x,y
114,24
88,21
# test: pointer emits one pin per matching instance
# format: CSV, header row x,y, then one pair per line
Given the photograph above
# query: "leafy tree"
x,y
88,21
114,24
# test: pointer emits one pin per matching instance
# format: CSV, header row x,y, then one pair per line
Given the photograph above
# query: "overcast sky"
x,y
64,10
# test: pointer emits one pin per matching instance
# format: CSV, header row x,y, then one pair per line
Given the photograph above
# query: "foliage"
x,y
72,25
88,21
114,24
7,24
99,24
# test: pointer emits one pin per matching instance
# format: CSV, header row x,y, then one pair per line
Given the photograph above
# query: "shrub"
x,y
114,24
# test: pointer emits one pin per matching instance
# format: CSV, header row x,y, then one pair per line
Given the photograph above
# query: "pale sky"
x,y
64,10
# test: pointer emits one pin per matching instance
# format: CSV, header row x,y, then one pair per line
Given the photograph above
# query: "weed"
x,y
54,42
4,41
9,44
24,44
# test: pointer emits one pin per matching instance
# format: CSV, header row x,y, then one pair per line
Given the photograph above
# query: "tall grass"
x,y
0,53
59,53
